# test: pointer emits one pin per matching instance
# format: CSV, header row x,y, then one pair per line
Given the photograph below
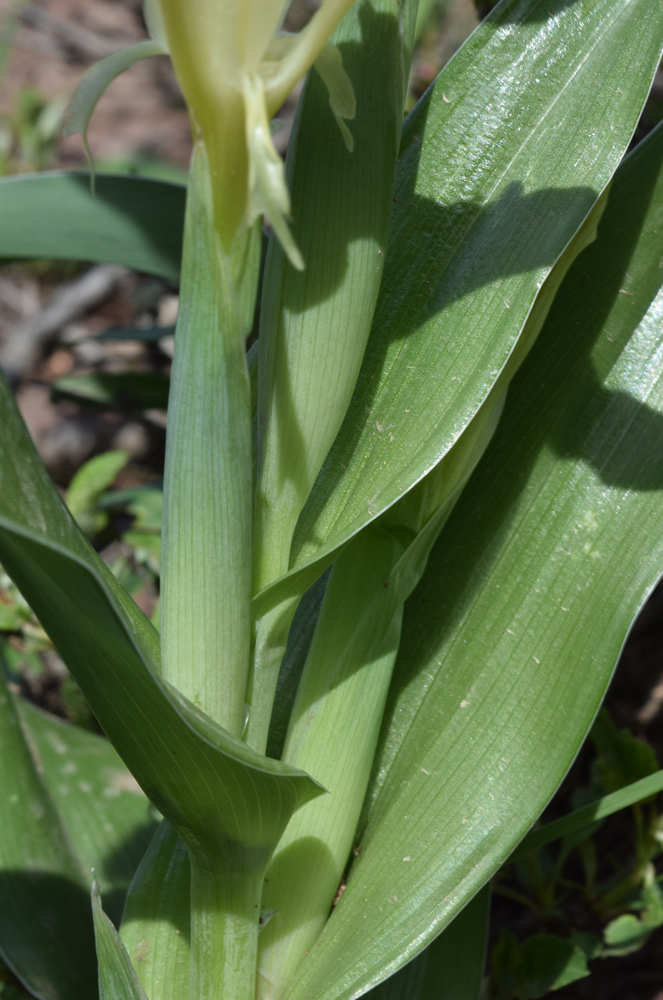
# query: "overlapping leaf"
x,y
222,797
451,968
156,926
512,636
117,977
496,174
318,321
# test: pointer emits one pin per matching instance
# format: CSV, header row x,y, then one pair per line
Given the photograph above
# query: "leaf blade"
x,y
133,221
478,224
554,550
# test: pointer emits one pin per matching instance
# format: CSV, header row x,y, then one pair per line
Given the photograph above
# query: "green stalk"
x,y
333,731
225,915
205,583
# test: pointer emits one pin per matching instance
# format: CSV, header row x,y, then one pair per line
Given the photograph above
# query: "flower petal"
x,y
268,191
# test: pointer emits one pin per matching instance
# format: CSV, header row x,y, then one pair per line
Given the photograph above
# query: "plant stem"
x,y
333,733
225,915
206,578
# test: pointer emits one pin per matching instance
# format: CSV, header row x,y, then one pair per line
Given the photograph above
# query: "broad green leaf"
x,y
495,176
628,933
97,80
120,390
156,922
133,221
451,967
45,904
511,638
219,795
108,820
117,977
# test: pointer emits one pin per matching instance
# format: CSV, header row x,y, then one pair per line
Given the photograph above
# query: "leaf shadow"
x,y
437,255
558,401
46,934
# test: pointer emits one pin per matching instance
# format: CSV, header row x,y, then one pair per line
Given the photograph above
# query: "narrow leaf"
x,y
587,815
119,390
117,977
97,80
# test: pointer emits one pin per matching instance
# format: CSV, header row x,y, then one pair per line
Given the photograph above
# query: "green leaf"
x,y
156,922
208,480
108,820
628,933
133,221
97,80
511,638
590,814
451,966
318,321
292,665
45,905
495,177
621,759
223,798
541,964
117,977
87,486
120,390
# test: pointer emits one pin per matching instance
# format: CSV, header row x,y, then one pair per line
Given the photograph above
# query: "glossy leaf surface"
x,y
131,221
451,967
496,174
511,638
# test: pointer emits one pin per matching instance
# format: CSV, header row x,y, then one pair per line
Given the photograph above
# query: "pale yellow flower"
x,y
236,68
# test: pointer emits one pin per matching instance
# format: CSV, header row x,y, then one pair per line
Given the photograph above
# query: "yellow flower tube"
x,y
235,69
